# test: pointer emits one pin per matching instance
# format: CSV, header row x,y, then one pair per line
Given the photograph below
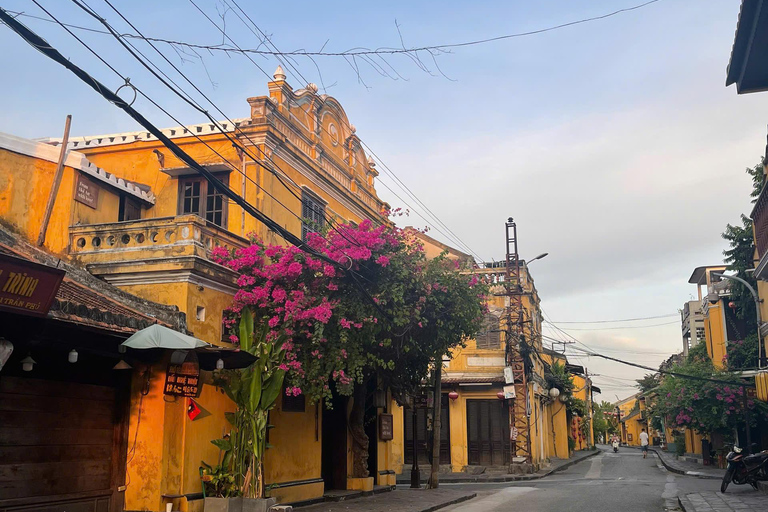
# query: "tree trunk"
x,y
357,430
433,478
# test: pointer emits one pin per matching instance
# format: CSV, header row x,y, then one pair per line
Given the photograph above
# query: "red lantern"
x,y
500,394
453,395
732,305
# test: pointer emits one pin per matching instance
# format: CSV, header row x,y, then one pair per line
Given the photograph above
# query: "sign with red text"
x,y
182,380
27,288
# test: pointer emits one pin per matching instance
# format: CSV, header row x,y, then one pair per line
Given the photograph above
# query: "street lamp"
x,y
540,256
759,351
757,313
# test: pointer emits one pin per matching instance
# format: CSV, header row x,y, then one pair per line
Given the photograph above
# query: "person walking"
x,y
644,443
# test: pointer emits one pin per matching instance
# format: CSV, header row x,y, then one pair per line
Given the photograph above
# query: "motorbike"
x,y
745,469
615,447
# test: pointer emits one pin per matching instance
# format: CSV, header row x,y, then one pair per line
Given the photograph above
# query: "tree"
x,y
647,383
603,420
387,317
740,256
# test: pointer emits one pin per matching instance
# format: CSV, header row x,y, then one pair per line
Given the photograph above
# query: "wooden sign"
x,y
182,380
26,287
423,400
386,427
86,191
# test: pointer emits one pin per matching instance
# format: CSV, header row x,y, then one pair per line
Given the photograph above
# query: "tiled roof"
x,y
84,299
112,139
77,161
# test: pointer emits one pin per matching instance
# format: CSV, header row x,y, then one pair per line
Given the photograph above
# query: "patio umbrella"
x,y
157,337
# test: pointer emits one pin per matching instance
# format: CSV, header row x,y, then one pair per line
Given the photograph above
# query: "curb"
x,y
460,499
510,478
679,471
685,505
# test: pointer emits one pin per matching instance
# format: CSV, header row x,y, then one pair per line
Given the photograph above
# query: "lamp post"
x,y
540,256
759,351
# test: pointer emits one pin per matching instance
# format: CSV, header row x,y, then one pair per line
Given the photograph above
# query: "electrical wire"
x,y
49,51
622,320
368,148
362,51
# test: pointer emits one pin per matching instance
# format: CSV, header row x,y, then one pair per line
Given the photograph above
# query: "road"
x,y
608,482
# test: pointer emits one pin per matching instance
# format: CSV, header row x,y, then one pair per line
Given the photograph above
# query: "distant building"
x,y
692,324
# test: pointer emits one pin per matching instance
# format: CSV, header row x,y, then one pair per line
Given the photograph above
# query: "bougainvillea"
x,y
381,311
704,406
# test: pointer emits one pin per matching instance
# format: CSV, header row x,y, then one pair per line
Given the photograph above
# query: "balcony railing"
x,y
760,218
187,235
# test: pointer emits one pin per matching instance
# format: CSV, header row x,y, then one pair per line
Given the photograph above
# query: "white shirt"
x,y
644,438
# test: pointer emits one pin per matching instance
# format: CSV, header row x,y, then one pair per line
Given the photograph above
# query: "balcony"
x,y
760,220
164,237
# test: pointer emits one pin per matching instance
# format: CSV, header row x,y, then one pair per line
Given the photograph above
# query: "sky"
x,y
614,144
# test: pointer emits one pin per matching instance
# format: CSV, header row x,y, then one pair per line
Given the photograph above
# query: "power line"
x,y
620,327
622,320
370,150
49,51
359,51
188,99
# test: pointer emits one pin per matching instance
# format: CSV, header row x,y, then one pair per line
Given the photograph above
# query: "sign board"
x,y
509,377
386,427
86,191
423,400
509,391
182,380
27,288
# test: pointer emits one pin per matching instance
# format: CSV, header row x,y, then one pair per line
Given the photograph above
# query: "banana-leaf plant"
x,y
254,390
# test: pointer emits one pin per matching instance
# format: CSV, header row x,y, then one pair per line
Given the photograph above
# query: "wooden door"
x,y
334,445
59,446
421,434
488,432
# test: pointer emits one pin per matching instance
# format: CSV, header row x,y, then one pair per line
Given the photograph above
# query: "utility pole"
x,y
519,431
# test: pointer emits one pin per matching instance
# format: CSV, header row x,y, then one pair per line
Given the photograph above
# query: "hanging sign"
x,y
509,377
423,400
86,192
26,287
509,391
386,427
182,380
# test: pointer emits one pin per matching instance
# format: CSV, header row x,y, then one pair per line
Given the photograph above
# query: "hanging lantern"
x,y
732,305
453,395
28,363
72,356
219,364
761,382
122,365
554,392
500,395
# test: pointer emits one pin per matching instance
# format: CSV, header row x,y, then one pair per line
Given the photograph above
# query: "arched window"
x,y
490,337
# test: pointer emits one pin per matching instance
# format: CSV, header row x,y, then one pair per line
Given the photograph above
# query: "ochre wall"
x,y
26,183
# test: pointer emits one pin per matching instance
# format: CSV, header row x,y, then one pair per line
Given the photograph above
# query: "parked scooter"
x,y
745,469
615,446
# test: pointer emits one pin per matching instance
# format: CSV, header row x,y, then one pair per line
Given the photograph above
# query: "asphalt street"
x,y
607,482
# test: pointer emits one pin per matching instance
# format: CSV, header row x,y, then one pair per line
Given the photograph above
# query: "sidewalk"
x,y
494,476
405,500
711,501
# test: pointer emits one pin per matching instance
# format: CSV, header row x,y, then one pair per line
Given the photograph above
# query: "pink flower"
x,y
274,321
383,261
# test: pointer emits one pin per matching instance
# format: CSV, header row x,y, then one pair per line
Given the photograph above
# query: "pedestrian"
x,y
644,442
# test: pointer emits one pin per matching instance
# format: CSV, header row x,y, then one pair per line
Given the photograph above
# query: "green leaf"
x,y
246,330
223,444
254,396
272,388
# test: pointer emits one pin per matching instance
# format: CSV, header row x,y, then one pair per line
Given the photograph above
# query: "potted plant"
x,y
238,481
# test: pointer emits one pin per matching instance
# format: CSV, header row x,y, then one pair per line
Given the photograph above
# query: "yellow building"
x,y
475,420
632,419
136,217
